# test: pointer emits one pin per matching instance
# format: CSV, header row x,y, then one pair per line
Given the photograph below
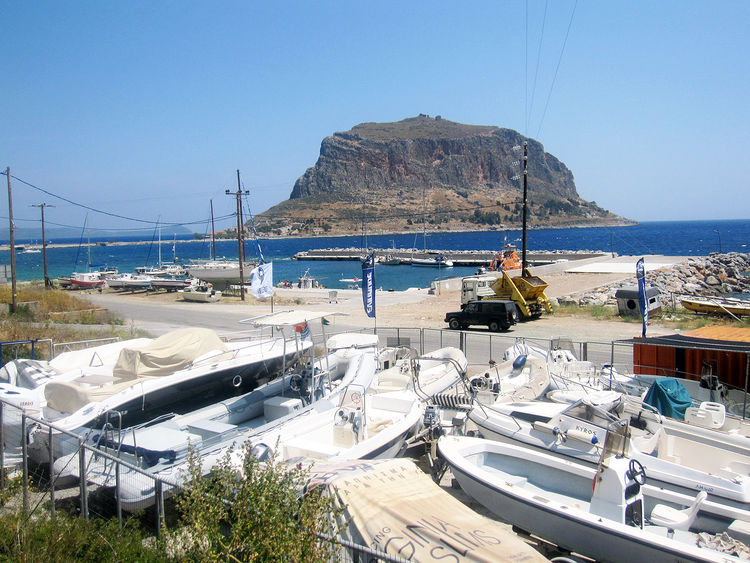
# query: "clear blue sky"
x,y
146,109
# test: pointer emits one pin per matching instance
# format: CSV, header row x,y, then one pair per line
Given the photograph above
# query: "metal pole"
x,y
47,281
117,493
747,374
14,295
213,231
51,474
24,454
241,255
525,205
158,505
2,449
82,481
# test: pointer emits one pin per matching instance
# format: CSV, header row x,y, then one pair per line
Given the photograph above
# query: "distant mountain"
x,y
452,176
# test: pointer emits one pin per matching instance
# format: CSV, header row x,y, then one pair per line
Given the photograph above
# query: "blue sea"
x,y
678,238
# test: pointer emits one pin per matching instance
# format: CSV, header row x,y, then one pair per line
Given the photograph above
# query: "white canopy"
x,y
289,318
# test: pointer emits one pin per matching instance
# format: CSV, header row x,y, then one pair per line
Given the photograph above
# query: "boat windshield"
x,y
616,442
590,413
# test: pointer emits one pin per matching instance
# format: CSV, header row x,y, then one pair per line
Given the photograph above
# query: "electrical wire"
x,y
557,68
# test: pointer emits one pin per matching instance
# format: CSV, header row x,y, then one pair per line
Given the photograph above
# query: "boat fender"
x,y
582,436
519,362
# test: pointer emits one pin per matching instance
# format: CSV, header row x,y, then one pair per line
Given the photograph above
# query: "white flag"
x,y
261,280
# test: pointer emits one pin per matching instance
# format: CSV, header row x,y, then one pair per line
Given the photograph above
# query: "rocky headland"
x,y
430,173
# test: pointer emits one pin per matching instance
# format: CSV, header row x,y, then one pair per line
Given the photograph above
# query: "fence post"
x,y
421,341
24,453
117,493
585,351
82,480
51,474
158,504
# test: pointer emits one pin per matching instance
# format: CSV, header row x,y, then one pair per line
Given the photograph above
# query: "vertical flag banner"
x,y
640,273
368,284
261,280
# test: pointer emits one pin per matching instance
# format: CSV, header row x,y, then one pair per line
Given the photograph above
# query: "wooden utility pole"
x,y
47,281
14,296
240,239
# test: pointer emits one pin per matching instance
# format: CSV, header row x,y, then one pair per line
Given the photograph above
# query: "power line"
x,y
107,213
557,68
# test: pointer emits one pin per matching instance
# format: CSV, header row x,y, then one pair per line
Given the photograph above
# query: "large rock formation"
x,y
395,176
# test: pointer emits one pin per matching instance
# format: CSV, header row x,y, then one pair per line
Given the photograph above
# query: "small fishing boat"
x,y
607,512
682,461
438,261
201,292
718,306
86,280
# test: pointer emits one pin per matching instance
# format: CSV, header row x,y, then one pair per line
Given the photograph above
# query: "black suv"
x,y
496,314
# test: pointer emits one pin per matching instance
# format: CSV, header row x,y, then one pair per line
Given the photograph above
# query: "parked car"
x,y
495,314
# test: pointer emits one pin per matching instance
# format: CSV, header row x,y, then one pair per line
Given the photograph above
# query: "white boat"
x,y
272,419
201,292
525,378
221,273
178,372
602,511
428,375
686,462
130,282
438,261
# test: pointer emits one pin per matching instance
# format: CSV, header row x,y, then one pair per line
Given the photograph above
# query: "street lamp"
x,y
718,234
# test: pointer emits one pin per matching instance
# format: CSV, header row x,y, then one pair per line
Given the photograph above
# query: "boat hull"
x,y
499,482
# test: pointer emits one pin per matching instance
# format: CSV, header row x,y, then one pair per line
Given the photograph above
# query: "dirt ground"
x,y
418,308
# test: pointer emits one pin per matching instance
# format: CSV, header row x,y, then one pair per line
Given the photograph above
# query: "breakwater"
x,y
458,257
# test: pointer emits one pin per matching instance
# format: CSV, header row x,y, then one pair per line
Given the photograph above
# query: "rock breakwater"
x,y
715,275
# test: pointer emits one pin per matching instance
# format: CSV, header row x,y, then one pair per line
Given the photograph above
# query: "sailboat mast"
x,y
213,232
159,226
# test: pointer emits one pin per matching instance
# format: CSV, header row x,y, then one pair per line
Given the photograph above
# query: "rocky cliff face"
x,y
446,155
392,176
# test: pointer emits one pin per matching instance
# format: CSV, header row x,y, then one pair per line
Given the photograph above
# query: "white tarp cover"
x,y
394,507
106,354
168,353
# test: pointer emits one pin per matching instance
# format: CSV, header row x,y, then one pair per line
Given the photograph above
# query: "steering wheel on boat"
x,y
636,472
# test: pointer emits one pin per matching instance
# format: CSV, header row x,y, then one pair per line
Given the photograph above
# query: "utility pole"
x,y
525,204
240,239
14,295
47,281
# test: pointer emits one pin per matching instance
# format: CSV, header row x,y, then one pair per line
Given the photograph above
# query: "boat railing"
x,y
61,347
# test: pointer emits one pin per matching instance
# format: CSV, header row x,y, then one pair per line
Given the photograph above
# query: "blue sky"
x,y
147,109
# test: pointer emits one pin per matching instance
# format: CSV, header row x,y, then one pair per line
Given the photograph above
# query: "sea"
x,y
671,238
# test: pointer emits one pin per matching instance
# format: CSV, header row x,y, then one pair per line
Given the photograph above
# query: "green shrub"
x,y
257,512
67,538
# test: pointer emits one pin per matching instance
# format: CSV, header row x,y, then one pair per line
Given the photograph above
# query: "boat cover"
x,y
168,353
394,507
669,397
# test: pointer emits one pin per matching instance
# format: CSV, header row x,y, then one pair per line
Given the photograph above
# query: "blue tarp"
x,y
669,397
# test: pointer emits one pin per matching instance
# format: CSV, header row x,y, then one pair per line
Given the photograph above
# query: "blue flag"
x,y
640,273
368,284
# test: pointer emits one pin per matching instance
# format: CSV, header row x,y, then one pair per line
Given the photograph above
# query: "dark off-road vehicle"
x,y
495,314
